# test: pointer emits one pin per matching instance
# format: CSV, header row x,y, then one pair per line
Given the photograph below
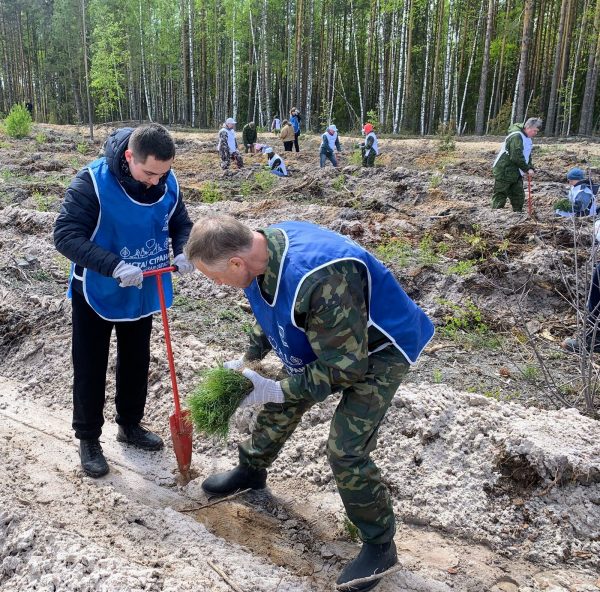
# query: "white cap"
x,y
267,150
597,231
332,128
230,120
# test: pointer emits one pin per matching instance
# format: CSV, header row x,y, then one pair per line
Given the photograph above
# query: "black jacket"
x,y
80,210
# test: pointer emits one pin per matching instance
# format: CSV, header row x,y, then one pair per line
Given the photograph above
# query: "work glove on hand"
x,y
128,275
234,364
183,265
265,390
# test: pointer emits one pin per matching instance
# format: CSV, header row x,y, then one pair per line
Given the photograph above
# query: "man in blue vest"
x,y
117,219
340,323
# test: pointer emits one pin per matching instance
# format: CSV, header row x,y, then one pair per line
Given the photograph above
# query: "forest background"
x,y
409,66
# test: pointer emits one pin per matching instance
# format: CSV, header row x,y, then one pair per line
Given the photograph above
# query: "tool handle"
x,y
529,204
160,271
163,309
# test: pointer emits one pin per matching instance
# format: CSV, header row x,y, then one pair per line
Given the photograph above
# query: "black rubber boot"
x,y
92,458
372,559
242,477
138,436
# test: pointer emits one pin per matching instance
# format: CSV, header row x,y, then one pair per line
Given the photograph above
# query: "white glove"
x,y
265,390
234,364
128,275
183,265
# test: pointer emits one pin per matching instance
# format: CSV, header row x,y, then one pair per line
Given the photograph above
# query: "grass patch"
x,y
264,180
42,202
395,251
215,400
462,267
464,325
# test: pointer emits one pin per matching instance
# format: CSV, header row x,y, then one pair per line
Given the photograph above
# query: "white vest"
x,y
331,138
276,123
375,145
231,141
281,168
527,148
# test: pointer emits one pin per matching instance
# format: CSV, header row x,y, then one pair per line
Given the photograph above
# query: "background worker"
x,y
228,146
276,125
581,200
275,162
295,119
329,142
340,323
513,163
287,135
370,148
249,137
117,219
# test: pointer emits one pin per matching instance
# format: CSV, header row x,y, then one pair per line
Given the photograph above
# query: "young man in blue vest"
x,y
340,323
117,219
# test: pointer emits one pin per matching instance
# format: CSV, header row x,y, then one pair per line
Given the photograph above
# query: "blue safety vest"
x,y
139,234
310,248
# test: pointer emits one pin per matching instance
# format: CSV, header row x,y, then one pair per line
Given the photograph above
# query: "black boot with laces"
x,y
92,458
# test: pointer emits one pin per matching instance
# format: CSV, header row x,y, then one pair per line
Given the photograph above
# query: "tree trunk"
x,y
485,65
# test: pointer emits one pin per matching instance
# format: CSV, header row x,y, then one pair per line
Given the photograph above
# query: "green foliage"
x,y
210,192
435,180
437,376
339,183
215,400
109,57
564,205
18,122
499,125
462,267
82,148
355,158
394,250
464,324
41,138
43,203
446,139
246,188
427,253
264,180
372,118
531,372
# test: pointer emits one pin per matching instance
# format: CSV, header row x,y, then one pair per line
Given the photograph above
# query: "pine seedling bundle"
x,y
216,398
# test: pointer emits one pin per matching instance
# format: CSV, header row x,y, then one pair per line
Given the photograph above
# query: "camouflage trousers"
x,y
352,438
227,157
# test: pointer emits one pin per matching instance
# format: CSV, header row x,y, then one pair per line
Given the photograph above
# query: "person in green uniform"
x,y
512,163
340,323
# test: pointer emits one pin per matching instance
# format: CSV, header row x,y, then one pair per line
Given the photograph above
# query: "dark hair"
x,y
151,139
215,239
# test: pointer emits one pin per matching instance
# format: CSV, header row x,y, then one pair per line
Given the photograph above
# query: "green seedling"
x,y
215,400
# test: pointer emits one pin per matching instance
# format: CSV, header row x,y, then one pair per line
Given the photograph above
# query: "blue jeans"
x,y
325,156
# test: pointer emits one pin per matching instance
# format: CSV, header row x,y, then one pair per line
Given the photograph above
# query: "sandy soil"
x,y
494,489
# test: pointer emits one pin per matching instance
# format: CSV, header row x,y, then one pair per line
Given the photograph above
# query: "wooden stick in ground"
x,y
224,576
378,576
219,501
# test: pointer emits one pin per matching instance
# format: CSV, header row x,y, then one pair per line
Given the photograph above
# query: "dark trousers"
x,y
296,145
90,347
287,146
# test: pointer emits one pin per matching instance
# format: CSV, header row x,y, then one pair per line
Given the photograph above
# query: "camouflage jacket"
x,y
332,309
